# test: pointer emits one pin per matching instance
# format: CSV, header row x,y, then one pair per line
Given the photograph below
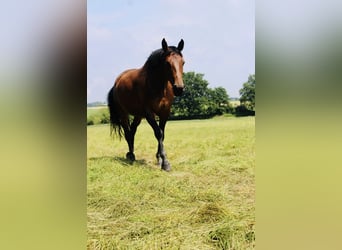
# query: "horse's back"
x,y
126,80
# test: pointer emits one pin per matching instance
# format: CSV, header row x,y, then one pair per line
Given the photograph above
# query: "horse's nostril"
x,y
178,90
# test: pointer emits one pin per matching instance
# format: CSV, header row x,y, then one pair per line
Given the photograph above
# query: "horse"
x,y
147,92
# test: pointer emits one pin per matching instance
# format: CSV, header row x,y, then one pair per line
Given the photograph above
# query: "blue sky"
x,y
219,38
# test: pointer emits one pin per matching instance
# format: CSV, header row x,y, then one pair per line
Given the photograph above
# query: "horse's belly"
x,y
132,107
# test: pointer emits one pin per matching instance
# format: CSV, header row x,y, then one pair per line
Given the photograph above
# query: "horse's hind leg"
x,y
133,129
125,125
130,131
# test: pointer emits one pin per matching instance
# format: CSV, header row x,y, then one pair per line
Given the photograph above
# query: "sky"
x,y
219,39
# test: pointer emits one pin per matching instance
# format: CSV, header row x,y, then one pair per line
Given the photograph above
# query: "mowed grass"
x,y
207,201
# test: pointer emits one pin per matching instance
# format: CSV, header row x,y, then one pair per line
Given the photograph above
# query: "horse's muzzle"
x,y
178,91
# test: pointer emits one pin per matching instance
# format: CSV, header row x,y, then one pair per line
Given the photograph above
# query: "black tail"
x,y
114,114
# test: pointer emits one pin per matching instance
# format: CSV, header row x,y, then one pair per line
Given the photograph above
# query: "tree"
x,y
219,101
194,97
198,100
248,93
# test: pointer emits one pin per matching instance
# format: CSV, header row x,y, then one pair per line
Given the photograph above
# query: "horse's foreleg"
x,y
162,124
159,134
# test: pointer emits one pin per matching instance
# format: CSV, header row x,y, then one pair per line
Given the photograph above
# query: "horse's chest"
x,y
163,104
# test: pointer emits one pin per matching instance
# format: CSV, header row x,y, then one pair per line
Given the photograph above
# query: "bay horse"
x,y
145,93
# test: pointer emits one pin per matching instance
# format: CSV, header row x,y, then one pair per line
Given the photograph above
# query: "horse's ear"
x,y
164,45
180,45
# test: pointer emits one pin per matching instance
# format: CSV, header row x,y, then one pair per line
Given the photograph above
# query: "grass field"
x,y
207,201
95,114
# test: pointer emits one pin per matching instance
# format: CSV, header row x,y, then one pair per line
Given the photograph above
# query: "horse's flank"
x,y
130,91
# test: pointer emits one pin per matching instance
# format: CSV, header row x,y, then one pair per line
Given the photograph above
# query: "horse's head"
x,y
174,66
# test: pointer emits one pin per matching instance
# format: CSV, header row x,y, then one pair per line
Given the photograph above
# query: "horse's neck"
x,y
157,81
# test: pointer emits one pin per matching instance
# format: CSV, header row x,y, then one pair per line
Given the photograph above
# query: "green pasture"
x,y
97,115
207,201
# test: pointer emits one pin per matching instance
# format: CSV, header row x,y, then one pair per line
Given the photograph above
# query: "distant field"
x,y
207,201
98,115
95,110
234,103
97,107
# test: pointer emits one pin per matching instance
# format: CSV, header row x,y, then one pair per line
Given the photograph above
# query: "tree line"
x,y
200,101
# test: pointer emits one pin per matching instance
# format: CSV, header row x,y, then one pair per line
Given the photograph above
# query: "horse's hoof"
x,y
130,156
166,167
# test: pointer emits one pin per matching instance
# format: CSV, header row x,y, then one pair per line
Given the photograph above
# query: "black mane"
x,y
158,56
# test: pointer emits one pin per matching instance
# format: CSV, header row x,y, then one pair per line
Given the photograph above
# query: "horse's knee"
x,y
158,133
